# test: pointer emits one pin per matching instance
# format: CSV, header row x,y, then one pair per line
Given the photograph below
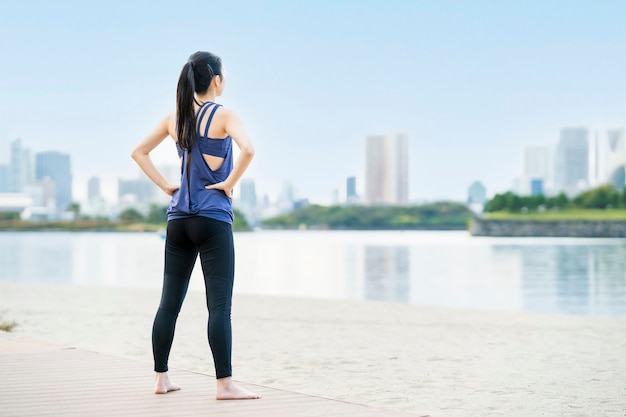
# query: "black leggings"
x,y
213,239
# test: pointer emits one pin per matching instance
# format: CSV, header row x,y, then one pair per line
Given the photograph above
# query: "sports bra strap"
x,y
202,113
208,123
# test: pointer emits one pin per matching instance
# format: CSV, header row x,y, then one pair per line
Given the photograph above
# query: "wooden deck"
x,y
42,379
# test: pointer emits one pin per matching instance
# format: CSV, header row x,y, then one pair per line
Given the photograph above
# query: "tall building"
x,y
477,193
43,194
387,169
537,167
616,139
248,197
247,202
597,158
572,161
351,195
56,166
286,198
141,190
93,189
536,186
618,178
20,167
614,168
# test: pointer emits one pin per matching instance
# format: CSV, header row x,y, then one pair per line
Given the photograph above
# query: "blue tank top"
x,y
192,199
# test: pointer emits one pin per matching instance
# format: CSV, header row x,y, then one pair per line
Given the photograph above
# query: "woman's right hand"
x,y
170,188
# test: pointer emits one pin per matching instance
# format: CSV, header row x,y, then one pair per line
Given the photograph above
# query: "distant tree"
x,y
507,201
374,217
560,202
497,203
74,207
533,202
240,223
605,196
9,215
515,204
131,215
157,214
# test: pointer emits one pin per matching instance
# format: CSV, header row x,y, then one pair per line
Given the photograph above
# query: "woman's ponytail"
x,y
195,78
185,114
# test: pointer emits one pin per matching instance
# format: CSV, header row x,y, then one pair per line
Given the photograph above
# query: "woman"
x,y
200,214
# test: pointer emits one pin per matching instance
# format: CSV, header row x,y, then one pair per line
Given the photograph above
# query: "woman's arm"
x,y
141,155
235,129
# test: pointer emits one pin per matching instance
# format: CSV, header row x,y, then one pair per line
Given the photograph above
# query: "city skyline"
x,y
580,159
471,84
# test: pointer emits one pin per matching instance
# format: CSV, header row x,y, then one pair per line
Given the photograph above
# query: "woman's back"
x,y
208,161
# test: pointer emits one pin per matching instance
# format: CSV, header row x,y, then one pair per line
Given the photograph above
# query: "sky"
x,y
470,83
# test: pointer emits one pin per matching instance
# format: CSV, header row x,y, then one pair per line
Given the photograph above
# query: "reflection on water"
x,y
387,273
573,276
579,279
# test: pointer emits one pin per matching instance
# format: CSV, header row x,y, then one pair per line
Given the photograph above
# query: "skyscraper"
x,y
572,160
286,198
93,189
247,202
143,190
20,168
386,171
537,165
476,193
536,186
248,193
56,166
616,140
614,168
351,195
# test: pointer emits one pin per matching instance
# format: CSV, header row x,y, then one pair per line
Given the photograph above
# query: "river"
x,y
428,268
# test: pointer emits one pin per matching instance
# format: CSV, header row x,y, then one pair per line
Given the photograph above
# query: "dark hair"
x,y
195,77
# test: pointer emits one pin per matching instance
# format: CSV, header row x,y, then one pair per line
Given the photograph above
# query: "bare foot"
x,y
227,390
163,384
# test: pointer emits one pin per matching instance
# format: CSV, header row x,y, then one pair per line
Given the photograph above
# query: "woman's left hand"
x,y
227,188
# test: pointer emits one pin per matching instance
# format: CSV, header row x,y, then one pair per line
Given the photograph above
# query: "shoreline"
x,y
482,227
428,360
478,227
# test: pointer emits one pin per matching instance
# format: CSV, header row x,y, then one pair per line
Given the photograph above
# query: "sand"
x,y
426,360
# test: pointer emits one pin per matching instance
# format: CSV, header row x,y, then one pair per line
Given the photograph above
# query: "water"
x,y
452,269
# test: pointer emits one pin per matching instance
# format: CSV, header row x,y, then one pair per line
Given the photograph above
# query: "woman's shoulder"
x,y
170,122
225,115
224,111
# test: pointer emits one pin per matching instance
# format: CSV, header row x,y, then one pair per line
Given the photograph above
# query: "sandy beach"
x,y
426,360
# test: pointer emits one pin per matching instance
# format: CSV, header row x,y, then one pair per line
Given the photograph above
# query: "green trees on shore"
x,y
443,215
439,215
157,215
603,197
129,219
